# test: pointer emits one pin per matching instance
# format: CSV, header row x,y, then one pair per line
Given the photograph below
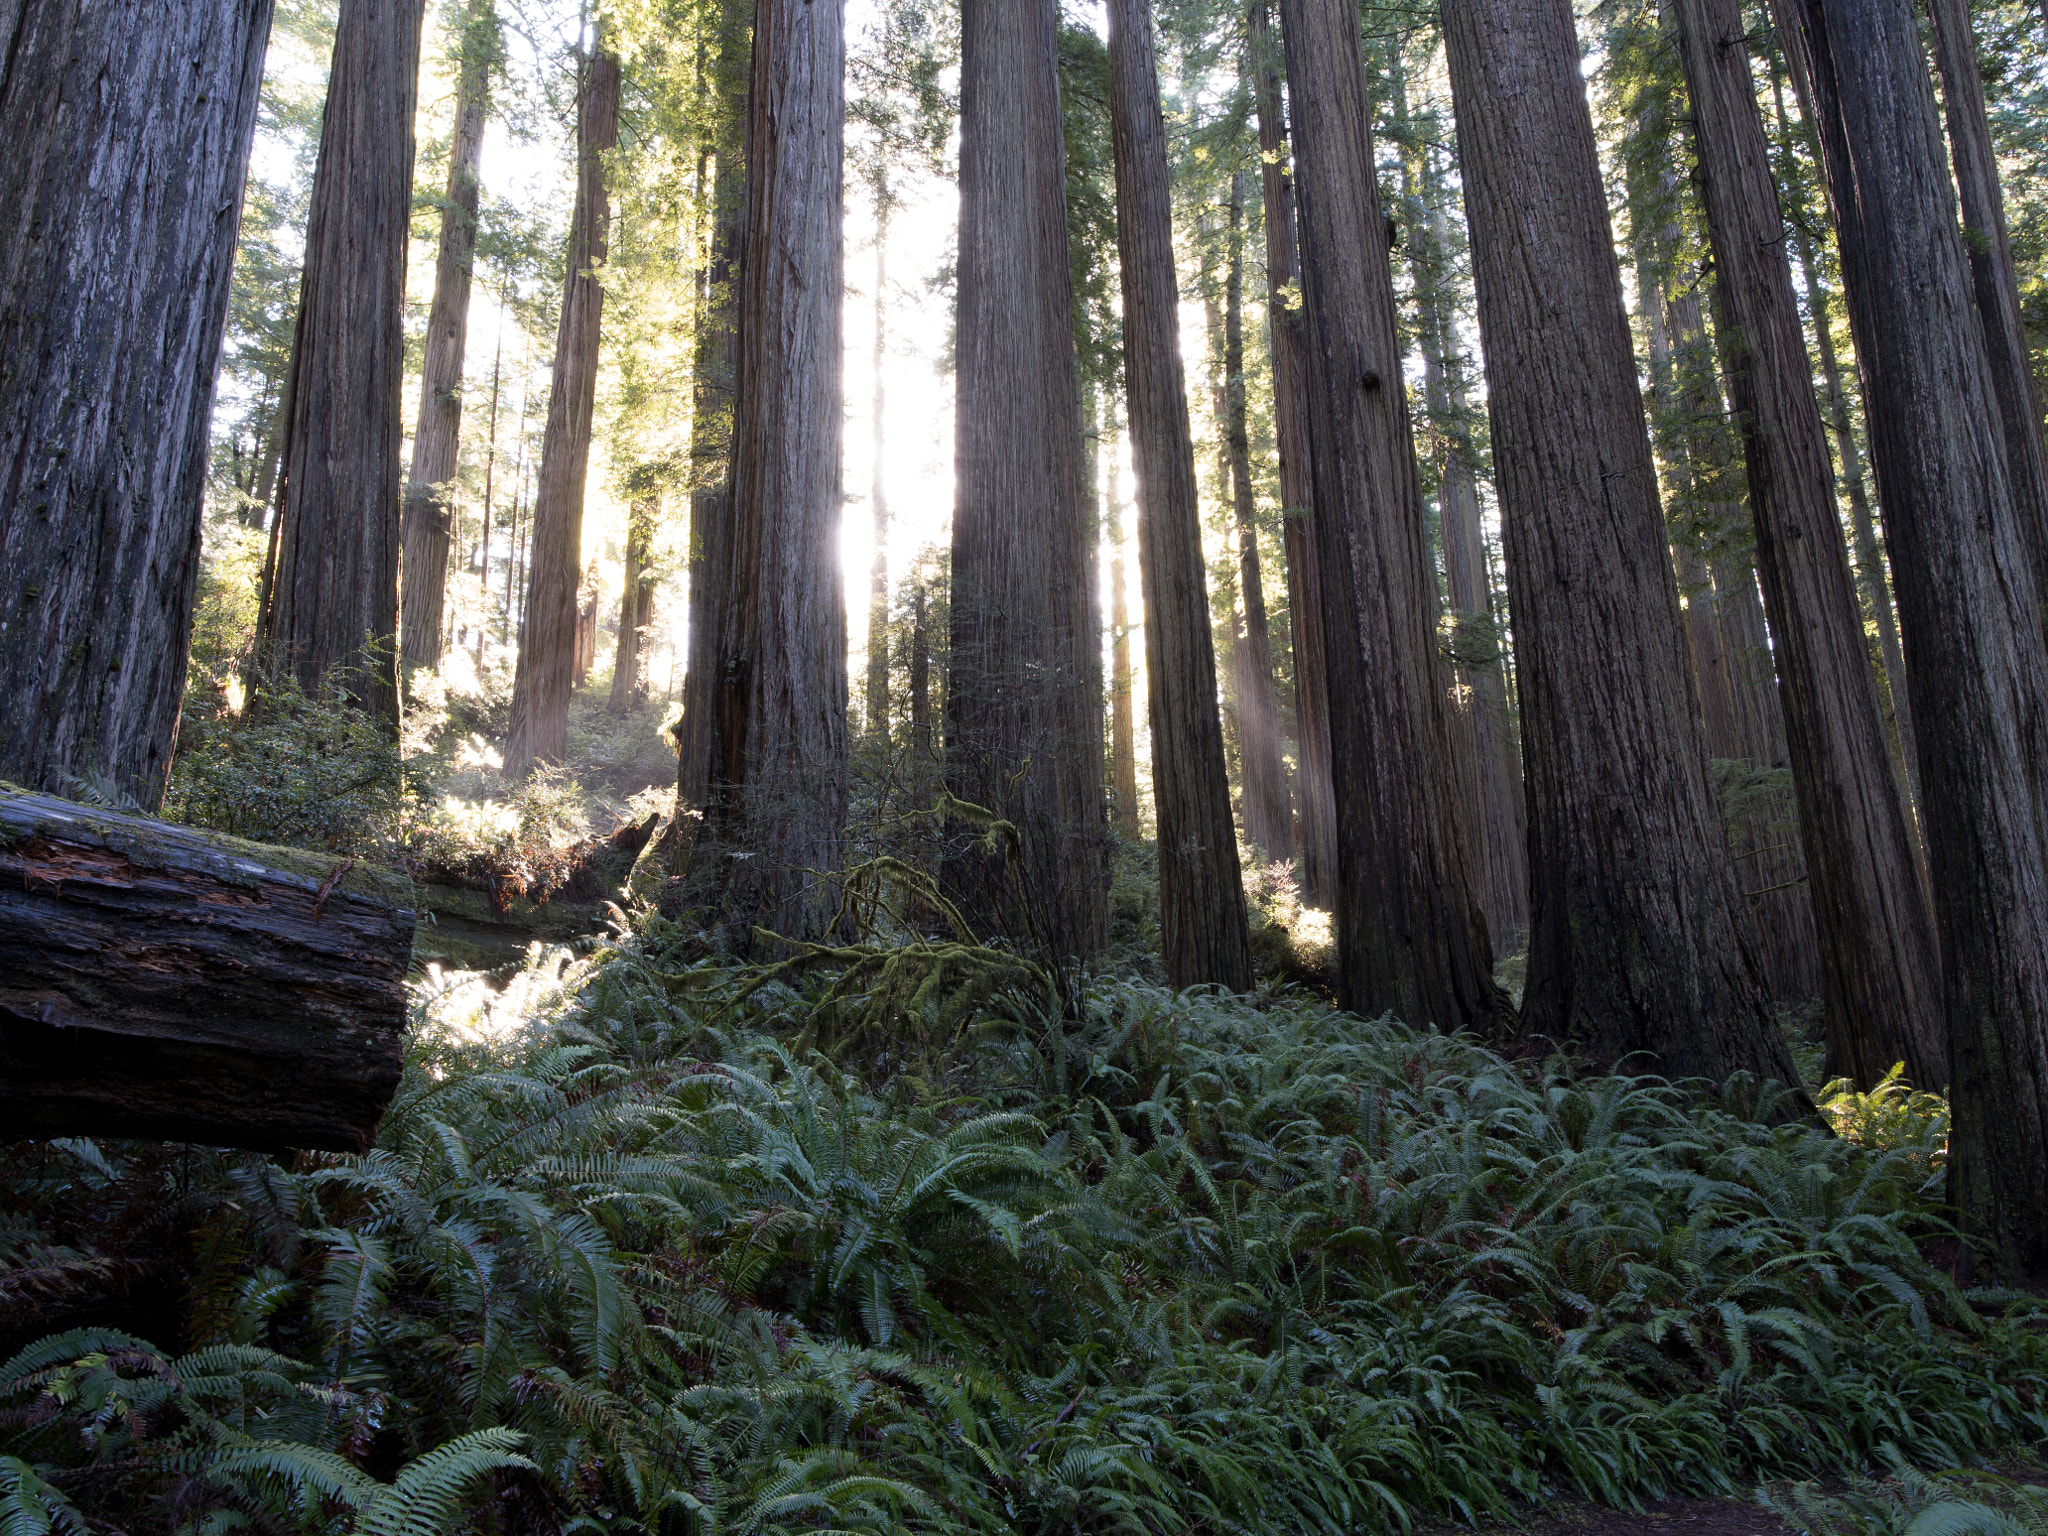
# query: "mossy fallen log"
x,y
161,981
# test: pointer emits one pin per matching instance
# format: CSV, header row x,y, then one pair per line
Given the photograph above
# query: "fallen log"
x,y
160,981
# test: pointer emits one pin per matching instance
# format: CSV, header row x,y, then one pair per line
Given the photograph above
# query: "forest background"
x,y
664,1235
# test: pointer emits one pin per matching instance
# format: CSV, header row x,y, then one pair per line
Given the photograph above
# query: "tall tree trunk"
x,y
545,676
1267,814
780,756
1633,944
714,384
1203,930
1969,603
333,611
1495,771
1989,246
124,140
877,711
1410,935
1024,701
1870,568
1123,725
636,604
1761,825
1315,796
1879,963
426,529
483,541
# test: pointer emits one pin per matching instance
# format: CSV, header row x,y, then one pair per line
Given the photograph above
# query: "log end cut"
x,y
161,981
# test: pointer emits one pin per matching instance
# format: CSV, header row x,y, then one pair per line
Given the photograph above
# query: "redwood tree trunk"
x,y
124,139
1881,974
1410,935
1267,814
779,762
1969,604
636,607
1991,270
1633,944
547,652
427,528
332,616
1315,795
876,712
711,427
1123,724
1024,700
1202,925
1870,571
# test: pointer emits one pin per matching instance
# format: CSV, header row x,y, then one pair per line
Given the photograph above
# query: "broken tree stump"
x,y
161,981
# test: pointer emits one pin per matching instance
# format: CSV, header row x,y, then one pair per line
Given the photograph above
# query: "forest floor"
x,y
1661,1517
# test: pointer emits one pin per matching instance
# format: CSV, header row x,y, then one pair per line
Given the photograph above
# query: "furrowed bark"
x,y
160,981
1315,797
1634,949
1203,929
774,841
1969,601
427,525
546,674
1881,974
1996,283
1024,698
1411,938
332,616
124,140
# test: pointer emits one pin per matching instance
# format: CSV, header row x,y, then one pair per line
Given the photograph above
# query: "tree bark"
x,y
1411,939
1633,944
1268,817
1881,973
1315,794
1996,284
1024,698
775,838
714,382
1202,925
636,607
1969,603
1870,566
332,617
545,676
426,527
160,981
124,140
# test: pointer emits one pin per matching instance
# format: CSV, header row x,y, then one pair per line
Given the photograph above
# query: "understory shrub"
x,y
692,1252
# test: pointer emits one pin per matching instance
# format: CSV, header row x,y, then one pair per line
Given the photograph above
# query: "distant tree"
x,y
1023,702
124,139
331,590
427,530
1410,935
1314,797
1633,944
1203,930
636,604
547,652
713,374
